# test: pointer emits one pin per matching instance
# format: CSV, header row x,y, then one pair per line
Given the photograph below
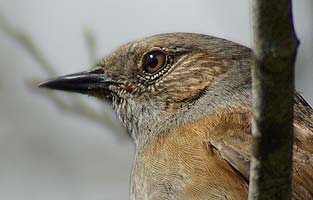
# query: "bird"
x,y
185,99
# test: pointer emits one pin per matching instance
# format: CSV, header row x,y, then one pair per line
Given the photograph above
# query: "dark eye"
x,y
153,61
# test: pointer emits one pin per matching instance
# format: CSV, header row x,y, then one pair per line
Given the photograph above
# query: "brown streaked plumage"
x,y
186,101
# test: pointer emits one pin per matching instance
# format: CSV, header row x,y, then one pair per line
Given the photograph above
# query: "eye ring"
x,y
154,61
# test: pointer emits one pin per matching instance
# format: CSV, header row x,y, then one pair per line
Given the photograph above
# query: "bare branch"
x,y
273,94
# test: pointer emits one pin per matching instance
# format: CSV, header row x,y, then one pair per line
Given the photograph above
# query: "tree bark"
x,y
275,47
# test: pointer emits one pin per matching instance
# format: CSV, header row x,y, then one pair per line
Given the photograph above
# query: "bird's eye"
x,y
153,61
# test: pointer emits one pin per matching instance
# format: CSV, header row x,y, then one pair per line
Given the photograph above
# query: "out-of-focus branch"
x,y
91,46
25,41
275,48
76,105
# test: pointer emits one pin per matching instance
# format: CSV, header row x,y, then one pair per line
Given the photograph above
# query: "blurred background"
x,y
65,146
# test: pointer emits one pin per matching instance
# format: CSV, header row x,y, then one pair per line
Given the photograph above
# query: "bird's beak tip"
x,y
44,84
59,83
83,82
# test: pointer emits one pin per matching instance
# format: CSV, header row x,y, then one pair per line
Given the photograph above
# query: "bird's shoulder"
x,y
303,149
185,157
231,138
220,143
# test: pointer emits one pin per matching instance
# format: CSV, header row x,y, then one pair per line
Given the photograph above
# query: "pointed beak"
x,y
87,82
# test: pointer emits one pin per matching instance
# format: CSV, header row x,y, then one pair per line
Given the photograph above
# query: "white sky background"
x,y
48,154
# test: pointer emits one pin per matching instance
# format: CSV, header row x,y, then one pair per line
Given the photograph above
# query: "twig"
x,y
91,46
80,108
76,106
25,41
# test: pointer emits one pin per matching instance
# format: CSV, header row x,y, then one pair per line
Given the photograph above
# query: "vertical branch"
x,y
275,46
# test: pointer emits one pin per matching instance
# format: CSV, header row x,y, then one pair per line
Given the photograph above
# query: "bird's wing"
x,y
303,149
234,146
232,141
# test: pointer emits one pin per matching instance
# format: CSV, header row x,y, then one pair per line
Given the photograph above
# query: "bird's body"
x,y
181,164
186,101
208,158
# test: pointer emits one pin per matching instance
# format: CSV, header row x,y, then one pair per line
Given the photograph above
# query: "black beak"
x,y
87,82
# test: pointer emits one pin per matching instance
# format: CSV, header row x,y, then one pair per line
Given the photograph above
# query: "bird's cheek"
x,y
187,93
114,89
127,87
123,90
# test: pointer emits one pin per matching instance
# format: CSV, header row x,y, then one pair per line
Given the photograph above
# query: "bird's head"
x,y
153,83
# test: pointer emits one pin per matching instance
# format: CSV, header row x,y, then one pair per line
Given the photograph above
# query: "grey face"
x,y
154,81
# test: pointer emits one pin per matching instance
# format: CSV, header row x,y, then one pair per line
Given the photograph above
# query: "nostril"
x,y
96,70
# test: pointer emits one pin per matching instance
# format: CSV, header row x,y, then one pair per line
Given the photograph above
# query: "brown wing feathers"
x,y
235,142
